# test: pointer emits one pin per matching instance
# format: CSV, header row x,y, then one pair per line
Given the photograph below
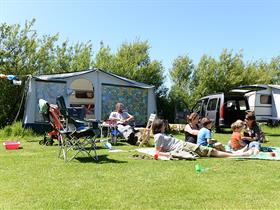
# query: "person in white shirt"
x,y
122,120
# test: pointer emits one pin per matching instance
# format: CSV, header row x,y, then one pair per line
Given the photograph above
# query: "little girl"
x,y
169,146
236,140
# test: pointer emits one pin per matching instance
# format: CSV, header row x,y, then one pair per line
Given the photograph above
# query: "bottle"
x,y
108,145
156,156
198,168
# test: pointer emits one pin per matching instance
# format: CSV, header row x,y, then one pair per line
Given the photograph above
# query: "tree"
x,y
274,67
104,59
132,60
181,72
228,72
22,52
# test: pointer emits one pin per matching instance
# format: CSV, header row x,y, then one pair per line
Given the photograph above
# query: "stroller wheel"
x,y
41,142
49,143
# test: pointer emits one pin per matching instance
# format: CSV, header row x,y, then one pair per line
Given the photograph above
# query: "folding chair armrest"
x,y
142,129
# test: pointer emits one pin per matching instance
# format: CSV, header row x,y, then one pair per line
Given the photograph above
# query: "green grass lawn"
x,y
34,178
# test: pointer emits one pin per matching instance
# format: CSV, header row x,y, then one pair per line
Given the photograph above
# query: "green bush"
x,y
8,131
16,130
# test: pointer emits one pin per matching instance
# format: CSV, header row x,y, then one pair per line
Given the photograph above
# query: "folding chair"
x,y
73,142
47,110
145,133
75,137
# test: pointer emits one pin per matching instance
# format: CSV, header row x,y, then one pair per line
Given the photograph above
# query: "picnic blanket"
x,y
266,153
151,151
175,155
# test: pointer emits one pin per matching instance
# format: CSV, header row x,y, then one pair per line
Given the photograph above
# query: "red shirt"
x,y
235,141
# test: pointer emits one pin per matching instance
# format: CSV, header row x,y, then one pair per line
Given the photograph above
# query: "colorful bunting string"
x,y
13,78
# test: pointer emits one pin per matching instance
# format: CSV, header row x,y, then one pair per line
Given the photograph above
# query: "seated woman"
x,y
169,146
192,128
253,134
253,131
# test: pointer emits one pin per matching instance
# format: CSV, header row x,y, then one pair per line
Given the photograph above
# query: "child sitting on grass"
x,y
204,136
171,147
236,140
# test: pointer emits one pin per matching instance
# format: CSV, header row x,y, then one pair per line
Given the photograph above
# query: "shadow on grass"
x,y
33,141
102,159
272,134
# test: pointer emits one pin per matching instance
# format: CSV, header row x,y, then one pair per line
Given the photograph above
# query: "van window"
x,y
231,105
212,104
265,99
242,105
204,107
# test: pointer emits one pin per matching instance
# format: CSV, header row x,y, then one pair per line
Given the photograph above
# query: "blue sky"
x,y
172,28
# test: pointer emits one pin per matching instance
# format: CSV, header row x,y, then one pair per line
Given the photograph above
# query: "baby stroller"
x,y
50,113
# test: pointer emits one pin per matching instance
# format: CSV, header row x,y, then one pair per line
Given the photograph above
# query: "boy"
x,y
204,136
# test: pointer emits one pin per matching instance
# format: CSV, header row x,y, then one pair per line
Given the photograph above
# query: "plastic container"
x,y
156,156
198,168
273,154
10,145
107,145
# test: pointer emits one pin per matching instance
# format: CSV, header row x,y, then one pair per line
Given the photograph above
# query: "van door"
x,y
200,107
235,109
212,109
197,107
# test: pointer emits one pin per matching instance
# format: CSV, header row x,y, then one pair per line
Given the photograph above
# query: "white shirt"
x,y
119,116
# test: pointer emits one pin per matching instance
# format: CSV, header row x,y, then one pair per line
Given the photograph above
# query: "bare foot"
x,y
256,151
244,149
248,153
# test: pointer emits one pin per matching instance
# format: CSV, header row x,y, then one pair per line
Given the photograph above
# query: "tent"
x,y
94,91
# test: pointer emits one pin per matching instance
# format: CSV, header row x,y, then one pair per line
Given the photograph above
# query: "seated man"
x,y
122,119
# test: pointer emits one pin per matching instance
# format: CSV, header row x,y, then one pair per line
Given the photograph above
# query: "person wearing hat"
x,y
204,136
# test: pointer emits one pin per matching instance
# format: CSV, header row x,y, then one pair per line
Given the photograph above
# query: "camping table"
x,y
108,125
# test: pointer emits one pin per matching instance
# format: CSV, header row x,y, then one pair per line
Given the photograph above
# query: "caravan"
x,y
264,101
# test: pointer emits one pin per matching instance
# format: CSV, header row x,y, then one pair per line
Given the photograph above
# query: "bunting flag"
x,y
14,79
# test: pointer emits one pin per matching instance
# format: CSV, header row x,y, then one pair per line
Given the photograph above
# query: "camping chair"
x,y
51,114
76,137
73,142
144,133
